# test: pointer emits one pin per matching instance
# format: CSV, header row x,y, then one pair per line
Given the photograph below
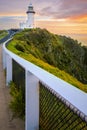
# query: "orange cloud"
x,y
12,14
79,18
63,27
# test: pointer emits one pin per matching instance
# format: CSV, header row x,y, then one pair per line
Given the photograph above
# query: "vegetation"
x,y
3,33
17,103
59,55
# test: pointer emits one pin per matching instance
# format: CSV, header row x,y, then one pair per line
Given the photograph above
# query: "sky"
x,y
63,17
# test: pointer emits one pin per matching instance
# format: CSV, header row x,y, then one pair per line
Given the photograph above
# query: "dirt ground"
x,y
6,121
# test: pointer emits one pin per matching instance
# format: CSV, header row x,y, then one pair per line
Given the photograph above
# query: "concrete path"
x,y
5,113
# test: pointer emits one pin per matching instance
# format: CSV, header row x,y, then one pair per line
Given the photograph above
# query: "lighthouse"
x,y
30,18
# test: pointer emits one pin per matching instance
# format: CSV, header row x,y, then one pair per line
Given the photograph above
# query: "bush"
x,y
17,103
19,47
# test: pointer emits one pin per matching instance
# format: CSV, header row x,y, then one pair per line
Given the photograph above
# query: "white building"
x,y
30,18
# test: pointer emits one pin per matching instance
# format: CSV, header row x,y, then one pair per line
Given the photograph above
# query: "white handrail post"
x,y
4,58
8,69
32,102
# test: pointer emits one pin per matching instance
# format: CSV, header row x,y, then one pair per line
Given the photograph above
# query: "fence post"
x,y
32,102
4,58
8,69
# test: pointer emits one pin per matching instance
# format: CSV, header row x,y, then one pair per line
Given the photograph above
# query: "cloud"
x,y
12,7
74,8
7,22
11,18
53,9
64,8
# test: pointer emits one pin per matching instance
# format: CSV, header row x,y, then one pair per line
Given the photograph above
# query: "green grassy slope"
x,y
57,54
3,33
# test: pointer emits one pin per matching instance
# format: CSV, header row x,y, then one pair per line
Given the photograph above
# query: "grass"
x,y
61,74
3,33
17,103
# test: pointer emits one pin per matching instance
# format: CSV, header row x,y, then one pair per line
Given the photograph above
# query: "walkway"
x,y
5,114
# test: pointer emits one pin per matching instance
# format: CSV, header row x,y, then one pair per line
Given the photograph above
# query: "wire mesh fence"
x,y
55,114
18,74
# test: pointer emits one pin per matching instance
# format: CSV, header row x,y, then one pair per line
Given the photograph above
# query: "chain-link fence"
x,y
55,112
58,114
18,74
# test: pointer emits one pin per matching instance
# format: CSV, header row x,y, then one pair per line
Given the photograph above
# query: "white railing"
x,y
34,74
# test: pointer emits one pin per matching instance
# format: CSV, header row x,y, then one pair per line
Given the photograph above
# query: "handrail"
x,y
72,94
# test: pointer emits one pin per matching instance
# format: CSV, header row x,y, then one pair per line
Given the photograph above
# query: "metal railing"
x,y
51,103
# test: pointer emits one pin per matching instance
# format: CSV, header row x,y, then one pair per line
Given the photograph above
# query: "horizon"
x,y
60,17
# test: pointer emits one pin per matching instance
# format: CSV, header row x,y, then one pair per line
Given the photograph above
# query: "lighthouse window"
x,y
30,8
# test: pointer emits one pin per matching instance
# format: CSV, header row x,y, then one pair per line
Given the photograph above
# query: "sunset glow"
x,y
58,16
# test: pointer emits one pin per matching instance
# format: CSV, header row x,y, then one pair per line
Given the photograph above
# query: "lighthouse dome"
x,y
30,9
30,5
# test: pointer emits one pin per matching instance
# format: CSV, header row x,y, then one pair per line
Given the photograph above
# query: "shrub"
x,y
19,47
17,103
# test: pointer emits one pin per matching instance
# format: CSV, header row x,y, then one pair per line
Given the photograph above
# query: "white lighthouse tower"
x,y
30,18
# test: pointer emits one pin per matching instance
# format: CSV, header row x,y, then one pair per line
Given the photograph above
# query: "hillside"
x,y
59,55
3,33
